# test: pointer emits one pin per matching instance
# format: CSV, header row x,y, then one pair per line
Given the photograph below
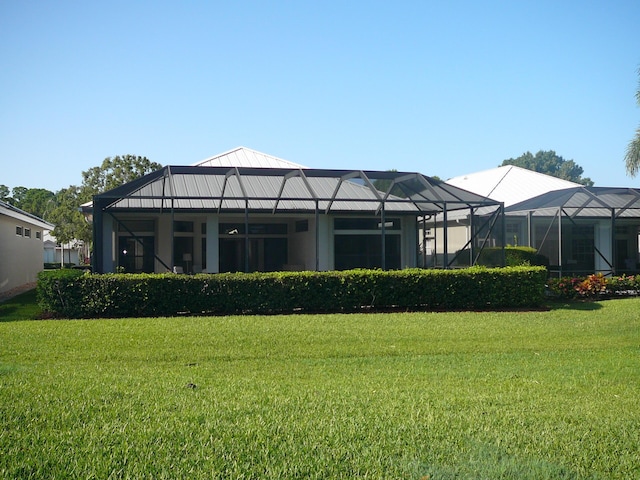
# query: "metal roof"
x,y
583,201
510,184
246,157
14,212
192,188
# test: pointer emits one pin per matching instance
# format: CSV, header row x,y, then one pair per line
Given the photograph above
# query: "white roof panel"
x,y
246,157
510,184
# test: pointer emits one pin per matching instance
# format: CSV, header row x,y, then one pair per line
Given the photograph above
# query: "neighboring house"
x,y
248,211
74,252
21,247
579,229
582,230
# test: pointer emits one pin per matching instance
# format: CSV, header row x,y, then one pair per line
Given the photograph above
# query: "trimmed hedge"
x,y
53,266
74,294
514,256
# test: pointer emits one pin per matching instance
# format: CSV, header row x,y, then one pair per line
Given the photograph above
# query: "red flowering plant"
x,y
595,284
563,287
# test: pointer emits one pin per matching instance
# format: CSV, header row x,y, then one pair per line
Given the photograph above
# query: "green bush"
x,y
592,286
74,294
61,291
513,257
56,265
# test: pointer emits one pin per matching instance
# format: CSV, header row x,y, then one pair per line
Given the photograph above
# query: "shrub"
x,y
61,291
513,257
624,285
85,295
56,265
594,285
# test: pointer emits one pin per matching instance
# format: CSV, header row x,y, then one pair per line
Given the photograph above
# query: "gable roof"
x,y
510,184
14,212
246,157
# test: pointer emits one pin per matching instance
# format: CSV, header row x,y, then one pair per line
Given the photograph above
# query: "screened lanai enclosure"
x,y
581,230
239,219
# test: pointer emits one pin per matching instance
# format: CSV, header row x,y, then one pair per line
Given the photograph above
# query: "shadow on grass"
x,y
21,307
25,307
583,305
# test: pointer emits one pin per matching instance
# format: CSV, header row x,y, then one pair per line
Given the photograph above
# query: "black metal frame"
x,y
432,198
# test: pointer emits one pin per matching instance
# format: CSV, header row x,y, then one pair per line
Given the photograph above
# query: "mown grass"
x,y
541,395
20,307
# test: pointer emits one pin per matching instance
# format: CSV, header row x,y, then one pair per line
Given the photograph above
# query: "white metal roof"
x,y
510,184
14,212
246,157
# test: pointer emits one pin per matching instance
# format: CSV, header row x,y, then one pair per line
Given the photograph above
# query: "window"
x,y
365,251
38,235
267,247
137,251
27,232
264,255
136,255
19,230
358,243
581,255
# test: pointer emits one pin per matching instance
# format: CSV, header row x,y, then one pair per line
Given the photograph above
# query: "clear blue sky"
x,y
442,88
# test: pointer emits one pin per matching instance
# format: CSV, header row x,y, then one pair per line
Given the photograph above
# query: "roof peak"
x,y
246,157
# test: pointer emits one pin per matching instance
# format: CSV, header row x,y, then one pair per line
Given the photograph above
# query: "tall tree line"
x,y
62,208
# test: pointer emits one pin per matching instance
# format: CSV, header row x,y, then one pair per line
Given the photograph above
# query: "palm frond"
x,y
632,157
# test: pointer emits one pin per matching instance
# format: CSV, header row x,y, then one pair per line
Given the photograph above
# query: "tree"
x,y
116,171
37,201
69,222
17,196
32,200
632,157
113,172
550,163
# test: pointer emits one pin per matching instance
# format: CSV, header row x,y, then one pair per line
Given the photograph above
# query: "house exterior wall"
x,y
409,242
206,240
22,256
325,246
50,252
457,237
53,254
302,248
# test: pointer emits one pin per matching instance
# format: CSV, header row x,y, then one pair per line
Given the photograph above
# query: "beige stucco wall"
x,y
21,258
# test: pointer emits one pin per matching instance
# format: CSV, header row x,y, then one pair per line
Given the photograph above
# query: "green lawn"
x,y
552,394
22,307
